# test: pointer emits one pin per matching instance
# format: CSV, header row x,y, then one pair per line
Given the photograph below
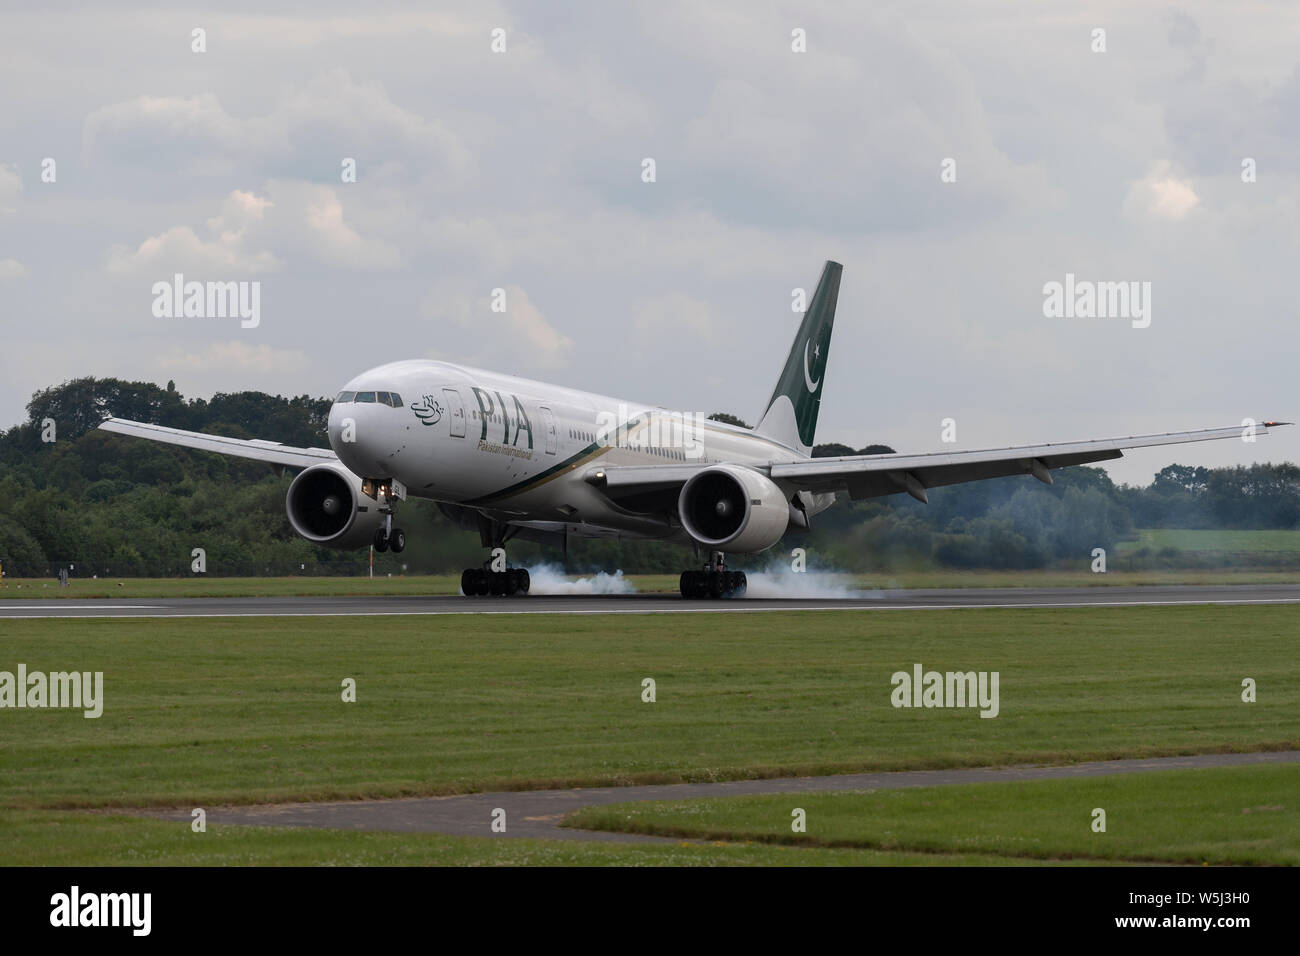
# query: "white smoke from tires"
x,y
551,579
779,581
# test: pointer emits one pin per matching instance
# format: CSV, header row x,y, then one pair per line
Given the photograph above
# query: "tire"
x,y
397,541
686,585
525,581
742,586
497,582
512,582
381,540
715,584
468,586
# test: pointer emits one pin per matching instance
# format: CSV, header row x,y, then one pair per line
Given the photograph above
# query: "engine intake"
x,y
732,508
323,504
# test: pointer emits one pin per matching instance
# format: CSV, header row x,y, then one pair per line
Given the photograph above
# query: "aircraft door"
x,y
455,411
548,423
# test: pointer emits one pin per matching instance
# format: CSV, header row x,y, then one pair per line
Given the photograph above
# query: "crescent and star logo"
x,y
807,376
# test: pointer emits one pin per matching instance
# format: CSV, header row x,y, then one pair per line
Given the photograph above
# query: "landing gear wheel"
x,y
397,541
381,541
694,584
716,584
712,583
477,582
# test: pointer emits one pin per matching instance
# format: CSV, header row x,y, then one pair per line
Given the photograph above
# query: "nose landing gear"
x,y
387,539
387,493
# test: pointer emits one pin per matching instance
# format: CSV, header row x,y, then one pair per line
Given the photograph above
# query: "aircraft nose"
x,y
342,425
361,435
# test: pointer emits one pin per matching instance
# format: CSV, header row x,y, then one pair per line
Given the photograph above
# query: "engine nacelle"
x,y
326,506
732,508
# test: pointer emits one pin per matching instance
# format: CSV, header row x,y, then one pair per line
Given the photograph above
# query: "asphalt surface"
x,y
537,813
1104,596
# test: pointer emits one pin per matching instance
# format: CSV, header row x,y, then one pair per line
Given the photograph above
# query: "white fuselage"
x,y
522,450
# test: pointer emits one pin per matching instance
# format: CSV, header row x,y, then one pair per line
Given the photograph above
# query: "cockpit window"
x,y
391,399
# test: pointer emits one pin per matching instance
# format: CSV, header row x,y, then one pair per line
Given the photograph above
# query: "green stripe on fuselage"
x,y
592,451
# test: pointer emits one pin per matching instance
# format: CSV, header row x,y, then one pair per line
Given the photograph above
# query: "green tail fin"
x,y
791,414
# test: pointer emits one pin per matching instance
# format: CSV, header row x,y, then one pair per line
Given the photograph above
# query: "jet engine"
x,y
732,508
326,506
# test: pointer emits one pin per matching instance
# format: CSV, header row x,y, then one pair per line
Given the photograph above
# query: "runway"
x,y
907,600
537,813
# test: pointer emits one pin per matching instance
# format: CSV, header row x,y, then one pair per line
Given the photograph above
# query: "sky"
x,y
957,158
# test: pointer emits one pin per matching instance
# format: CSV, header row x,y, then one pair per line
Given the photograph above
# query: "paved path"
x,y
537,813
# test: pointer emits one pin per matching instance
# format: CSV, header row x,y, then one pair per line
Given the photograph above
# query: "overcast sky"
x,y
522,170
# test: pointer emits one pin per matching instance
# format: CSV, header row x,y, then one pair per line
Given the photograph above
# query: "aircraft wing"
x,y
869,476
273,453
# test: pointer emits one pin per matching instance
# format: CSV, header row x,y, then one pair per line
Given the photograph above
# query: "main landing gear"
x,y
713,580
484,581
502,582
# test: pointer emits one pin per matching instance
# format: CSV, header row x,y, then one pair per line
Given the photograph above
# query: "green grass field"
x,y
1183,539
1241,815
209,711
439,584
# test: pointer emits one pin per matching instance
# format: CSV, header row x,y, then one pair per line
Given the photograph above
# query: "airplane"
x,y
511,457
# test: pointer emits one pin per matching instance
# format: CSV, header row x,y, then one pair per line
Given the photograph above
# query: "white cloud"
x,y
467,327
293,217
236,356
1161,195
314,123
673,320
13,269
180,249
312,216
530,331
11,188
